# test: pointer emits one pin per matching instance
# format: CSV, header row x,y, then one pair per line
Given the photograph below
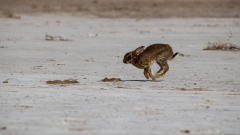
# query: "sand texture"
x,y
199,95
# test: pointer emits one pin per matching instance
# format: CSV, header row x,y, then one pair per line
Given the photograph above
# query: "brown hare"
x,y
143,59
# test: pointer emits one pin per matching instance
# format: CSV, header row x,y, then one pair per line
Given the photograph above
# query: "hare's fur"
x,y
143,59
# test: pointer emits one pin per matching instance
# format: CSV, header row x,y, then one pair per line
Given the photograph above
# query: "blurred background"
x,y
125,8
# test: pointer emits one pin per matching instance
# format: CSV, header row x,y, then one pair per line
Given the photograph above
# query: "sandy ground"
x,y
200,94
126,8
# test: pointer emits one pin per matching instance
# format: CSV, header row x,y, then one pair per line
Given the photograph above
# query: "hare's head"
x,y
133,55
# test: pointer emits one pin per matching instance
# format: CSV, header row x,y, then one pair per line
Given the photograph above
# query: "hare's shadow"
x,y
141,80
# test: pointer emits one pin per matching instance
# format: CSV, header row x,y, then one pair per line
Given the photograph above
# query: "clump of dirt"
x,y
192,89
3,128
26,106
185,131
183,55
52,38
68,81
6,81
111,80
78,129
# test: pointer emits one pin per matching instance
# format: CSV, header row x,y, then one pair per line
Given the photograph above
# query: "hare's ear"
x,y
139,50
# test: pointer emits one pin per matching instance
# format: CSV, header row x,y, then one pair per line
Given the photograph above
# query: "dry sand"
x,y
199,95
126,8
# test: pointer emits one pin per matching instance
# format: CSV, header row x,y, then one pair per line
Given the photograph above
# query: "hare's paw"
x,y
158,75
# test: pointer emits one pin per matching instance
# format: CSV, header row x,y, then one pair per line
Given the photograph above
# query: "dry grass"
x,y
111,80
52,38
226,46
69,81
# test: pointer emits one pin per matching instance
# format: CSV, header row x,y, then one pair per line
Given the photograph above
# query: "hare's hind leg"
x,y
163,68
145,72
148,72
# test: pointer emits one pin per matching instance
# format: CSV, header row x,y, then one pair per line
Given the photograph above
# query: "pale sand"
x,y
200,93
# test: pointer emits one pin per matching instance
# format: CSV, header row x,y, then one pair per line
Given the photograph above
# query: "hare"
x,y
143,59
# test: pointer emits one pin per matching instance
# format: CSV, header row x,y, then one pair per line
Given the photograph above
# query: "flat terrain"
x,y
126,8
199,95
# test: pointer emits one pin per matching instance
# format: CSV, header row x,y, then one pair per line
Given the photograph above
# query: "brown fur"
x,y
143,59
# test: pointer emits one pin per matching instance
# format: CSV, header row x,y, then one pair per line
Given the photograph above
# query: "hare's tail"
x,y
174,55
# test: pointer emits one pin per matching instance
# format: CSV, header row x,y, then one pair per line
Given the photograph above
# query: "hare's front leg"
x,y
163,68
148,72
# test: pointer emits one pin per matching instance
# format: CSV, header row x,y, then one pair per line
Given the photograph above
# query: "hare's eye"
x,y
129,57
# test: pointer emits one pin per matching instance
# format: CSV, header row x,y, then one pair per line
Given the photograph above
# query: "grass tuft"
x,y
226,46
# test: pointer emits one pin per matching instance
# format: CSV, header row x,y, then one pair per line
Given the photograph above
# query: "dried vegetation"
x,y
225,45
68,81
